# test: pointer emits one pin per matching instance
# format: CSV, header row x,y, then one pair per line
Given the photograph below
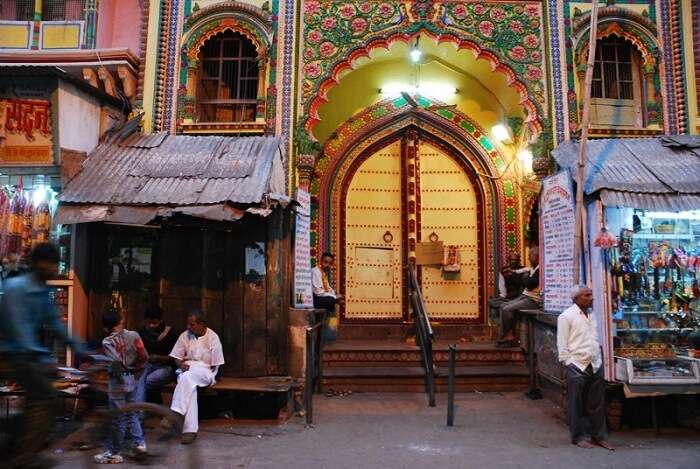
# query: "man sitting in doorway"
x,y
529,299
159,339
324,294
510,281
198,355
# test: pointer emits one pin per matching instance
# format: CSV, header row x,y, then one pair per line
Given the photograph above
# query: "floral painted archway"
x,y
509,36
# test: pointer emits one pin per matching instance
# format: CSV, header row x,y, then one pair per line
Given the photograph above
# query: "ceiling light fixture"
x,y
500,133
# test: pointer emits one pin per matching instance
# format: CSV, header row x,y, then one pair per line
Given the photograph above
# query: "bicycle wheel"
x,y
161,442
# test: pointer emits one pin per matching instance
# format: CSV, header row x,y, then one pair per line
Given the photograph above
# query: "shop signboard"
x,y
25,132
303,291
557,218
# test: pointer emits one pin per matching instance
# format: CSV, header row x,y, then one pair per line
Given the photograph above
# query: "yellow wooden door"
x,y
373,238
448,209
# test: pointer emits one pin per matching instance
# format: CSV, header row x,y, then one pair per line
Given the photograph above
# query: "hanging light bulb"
x,y
416,53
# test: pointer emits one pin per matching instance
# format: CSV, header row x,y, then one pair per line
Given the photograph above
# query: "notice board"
x,y
303,291
557,219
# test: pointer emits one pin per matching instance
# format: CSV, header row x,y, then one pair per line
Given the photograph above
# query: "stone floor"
x,y
492,430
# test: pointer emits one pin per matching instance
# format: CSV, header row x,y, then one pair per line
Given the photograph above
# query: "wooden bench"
x,y
261,385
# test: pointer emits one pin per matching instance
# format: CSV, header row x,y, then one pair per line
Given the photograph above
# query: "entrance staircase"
x,y
393,364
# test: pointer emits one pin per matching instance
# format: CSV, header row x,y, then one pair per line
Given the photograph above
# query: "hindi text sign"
x,y
557,218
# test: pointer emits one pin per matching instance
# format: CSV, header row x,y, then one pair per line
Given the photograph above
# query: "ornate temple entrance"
x,y
404,190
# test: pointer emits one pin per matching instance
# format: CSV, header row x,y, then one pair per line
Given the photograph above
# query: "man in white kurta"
x,y
198,354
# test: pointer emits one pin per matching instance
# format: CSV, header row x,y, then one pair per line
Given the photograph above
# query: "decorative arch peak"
x,y
510,35
348,64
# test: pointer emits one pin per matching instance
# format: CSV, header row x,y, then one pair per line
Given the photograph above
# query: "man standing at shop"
x,y
580,352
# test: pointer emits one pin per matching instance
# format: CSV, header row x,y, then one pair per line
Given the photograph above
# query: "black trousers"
x,y
324,302
585,391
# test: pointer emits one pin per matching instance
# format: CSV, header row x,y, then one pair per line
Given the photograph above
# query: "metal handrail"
x,y
424,334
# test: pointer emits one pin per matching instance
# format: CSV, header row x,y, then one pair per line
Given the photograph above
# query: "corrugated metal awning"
x,y
652,173
653,202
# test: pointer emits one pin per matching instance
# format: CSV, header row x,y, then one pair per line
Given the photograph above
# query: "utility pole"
x,y
580,235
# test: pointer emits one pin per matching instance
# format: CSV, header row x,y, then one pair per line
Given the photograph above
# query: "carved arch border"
x,y
644,41
533,109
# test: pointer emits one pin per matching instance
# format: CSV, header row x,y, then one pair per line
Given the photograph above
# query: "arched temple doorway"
x,y
410,188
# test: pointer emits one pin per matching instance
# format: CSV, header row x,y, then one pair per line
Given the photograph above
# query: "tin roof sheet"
x,y
163,169
663,165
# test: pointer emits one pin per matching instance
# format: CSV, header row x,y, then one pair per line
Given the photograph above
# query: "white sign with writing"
x,y
303,292
557,219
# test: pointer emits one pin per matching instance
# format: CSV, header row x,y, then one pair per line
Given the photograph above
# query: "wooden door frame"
x,y
419,135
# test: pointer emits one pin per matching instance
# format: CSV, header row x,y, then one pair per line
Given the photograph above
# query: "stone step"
x,y
411,379
401,354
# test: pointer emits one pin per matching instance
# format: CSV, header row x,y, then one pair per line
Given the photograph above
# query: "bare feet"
x,y
604,444
584,444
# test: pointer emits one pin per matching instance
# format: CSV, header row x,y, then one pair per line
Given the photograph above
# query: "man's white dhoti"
x,y
185,395
204,355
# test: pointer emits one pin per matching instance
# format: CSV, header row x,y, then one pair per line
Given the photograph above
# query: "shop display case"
x,y
677,370
655,300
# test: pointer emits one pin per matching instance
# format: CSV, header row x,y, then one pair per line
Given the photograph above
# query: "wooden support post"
x,y
580,229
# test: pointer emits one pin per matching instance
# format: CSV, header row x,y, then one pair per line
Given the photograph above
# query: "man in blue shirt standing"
x,y
26,313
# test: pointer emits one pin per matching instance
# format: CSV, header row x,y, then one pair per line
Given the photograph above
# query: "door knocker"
x,y
433,237
388,237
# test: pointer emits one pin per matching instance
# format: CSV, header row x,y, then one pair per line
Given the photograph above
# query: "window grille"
x,y
17,10
63,10
228,79
612,74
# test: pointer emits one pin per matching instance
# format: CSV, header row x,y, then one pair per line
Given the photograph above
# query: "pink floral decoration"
x,y
516,27
518,53
347,11
312,70
486,28
329,23
327,49
498,15
533,73
479,9
532,11
460,11
358,25
314,36
385,10
312,7
531,41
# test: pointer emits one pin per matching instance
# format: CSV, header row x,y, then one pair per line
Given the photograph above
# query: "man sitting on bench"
x,y
198,355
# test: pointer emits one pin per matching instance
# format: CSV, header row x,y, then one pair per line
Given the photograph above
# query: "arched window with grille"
x,y
616,91
227,85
